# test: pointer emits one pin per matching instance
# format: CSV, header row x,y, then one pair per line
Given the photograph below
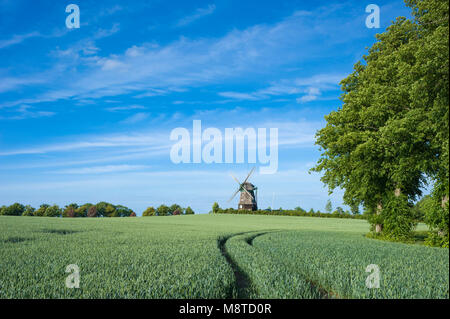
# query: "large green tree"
x,y
392,129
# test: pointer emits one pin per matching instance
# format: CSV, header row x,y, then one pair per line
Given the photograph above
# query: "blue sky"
x,y
86,114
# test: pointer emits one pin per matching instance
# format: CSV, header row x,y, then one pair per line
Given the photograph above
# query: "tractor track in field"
x,y
243,282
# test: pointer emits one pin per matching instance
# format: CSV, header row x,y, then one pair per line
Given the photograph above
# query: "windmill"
x,y
249,193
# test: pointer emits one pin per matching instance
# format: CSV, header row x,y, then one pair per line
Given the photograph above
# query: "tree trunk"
x,y
444,201
379,227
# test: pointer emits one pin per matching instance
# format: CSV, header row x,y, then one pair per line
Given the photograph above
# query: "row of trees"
x,y
102,209
164,210
298,211
390,138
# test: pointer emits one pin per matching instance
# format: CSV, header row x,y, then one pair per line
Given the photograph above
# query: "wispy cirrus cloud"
x,y
311,87
26,112
150,69
125,108
18,38
135,118
199,13
120,141
102,169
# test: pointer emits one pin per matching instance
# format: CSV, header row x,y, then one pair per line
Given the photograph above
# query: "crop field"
x,y
212,256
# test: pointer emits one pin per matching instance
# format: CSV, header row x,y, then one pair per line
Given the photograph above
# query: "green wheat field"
x,y
212,256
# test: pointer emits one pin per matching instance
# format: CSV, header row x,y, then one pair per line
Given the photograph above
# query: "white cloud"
x,y
18,38
125,108
95,142
291,87
153,70
102,169
11,83
26,112
312,94
103,33
199,13
111,10
185,62
138,117
239,96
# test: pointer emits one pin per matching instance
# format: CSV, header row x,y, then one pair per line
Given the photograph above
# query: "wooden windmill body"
x,y
248,198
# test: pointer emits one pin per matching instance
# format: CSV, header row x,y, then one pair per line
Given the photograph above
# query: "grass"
x,y
212,256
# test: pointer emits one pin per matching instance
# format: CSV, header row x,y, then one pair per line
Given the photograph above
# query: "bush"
x,y
29,211
53,211
163,210
150,211
69,212
82,211
15,209
122,211
437,218
398,219
189,211
92,211
295,212
174,208
41,210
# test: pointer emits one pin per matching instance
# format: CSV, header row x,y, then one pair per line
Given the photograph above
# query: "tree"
x,y
354,209
29,211
72,205
123,211
15,209
329,207
132,214
41,210
215,208
383,139
189,211
437,217
163,210
174,208
69,212
102,208
82,211
110,211
150,211
53,211
92,211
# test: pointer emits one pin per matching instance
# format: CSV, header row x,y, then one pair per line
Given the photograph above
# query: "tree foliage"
x,y
391,132
150,211
15,209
